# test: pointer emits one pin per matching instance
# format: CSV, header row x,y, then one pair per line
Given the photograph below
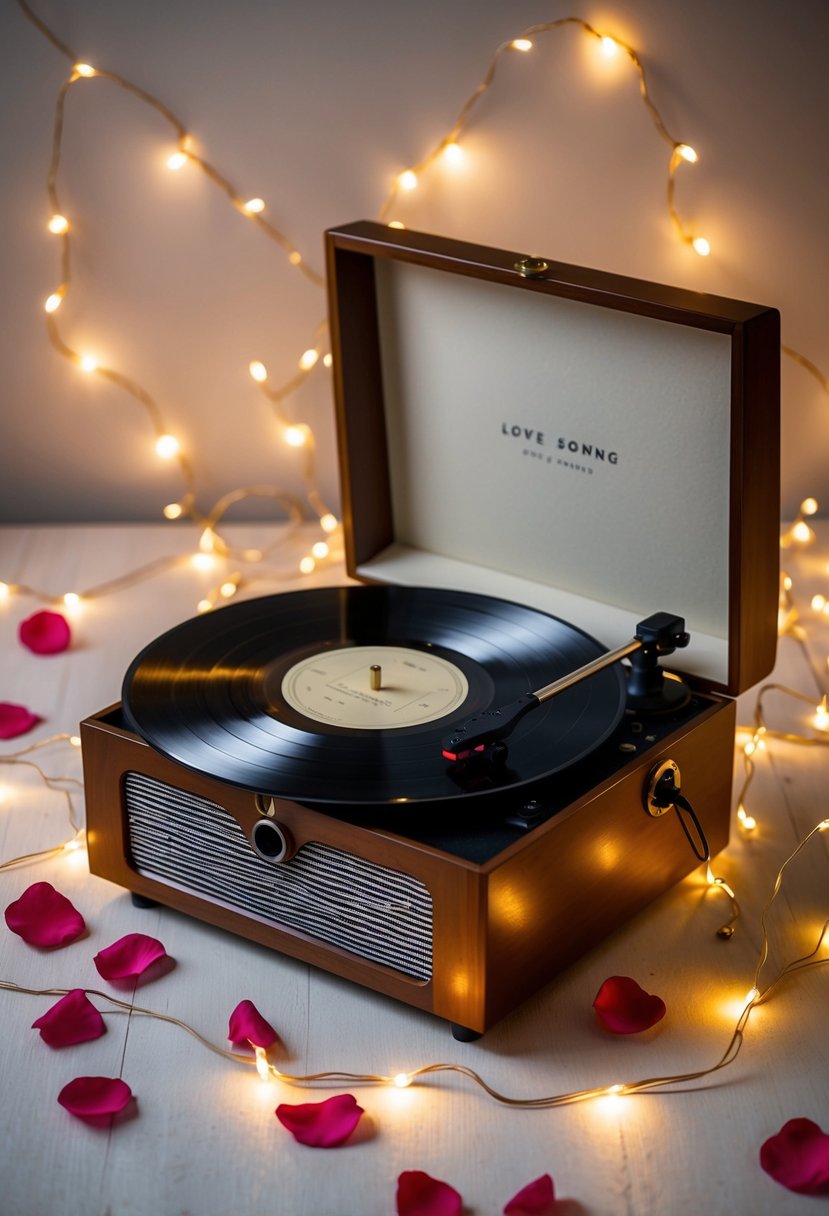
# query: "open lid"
x,y
591,445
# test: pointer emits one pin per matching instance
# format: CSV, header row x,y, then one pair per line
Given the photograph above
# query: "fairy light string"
x,y
335,1077
299,435
681,152
57,784
167,446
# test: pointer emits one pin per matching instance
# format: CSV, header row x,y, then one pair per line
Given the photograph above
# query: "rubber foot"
x,y
142,901
462,1034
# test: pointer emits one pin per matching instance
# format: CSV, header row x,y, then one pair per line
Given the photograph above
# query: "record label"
x,y
375,687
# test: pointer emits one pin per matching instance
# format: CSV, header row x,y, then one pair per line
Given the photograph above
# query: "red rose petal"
x,y
624,1008
536,1198
248,1026
73,1019
798,1157
45,633
129,956
15,720
44,917
420,1195
321,1124
92,1097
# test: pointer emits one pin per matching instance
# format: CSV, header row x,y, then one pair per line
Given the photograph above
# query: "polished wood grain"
x,y
501,929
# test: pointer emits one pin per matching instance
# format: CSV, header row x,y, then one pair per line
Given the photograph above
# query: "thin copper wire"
x,y
808,366
488,80
53,783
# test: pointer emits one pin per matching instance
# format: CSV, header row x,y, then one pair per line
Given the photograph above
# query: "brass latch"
x,y
532,268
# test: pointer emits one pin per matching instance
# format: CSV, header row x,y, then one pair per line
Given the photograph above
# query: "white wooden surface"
x,y
204,1140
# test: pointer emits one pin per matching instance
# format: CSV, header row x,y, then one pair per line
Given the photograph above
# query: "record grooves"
x,y
251,694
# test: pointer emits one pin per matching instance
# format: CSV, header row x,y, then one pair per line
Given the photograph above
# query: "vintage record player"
x,y
403,782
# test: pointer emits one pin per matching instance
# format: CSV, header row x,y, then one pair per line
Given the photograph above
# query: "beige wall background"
x,y
315,106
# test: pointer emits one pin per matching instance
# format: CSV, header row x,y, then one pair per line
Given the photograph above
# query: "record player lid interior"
x,y
566,456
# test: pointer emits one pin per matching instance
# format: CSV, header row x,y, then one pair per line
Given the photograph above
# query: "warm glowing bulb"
x,y
328,360
787,582
202,561
177,161
824,825
258,371
521,44
453,155
167,446
308,358
402,1080
701,246
609,46
822,715
818,602
307,565
296,436
262,1065
295,257
809,506
751,747
58,224
71,599
83,69
407,179
751,997
207,540
53,302
320,549
203,606
5,591
395,224
74,740
687,153
173,510
88,363
254,206
227,590
802,533
749,823
328,522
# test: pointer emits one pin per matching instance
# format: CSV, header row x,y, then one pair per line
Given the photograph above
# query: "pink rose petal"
x,y
321,1124
92,1097
129,956
798,1157
73,1019
536,1198
44,917
45,633
248,1026
623,1007
420,1195
15,720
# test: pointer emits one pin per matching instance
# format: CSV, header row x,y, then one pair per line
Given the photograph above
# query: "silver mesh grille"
x,y
367,909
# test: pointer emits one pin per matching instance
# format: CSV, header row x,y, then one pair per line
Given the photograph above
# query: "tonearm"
x,y
647,687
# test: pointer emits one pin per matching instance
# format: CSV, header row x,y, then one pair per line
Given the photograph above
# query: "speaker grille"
x,y
372,911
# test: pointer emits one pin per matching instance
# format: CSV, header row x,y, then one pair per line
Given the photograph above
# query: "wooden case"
x,y
466,918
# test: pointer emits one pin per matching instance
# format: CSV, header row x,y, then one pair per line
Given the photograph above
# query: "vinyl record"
x,y
343,695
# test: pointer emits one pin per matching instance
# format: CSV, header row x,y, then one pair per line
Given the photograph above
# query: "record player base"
x,y
362,898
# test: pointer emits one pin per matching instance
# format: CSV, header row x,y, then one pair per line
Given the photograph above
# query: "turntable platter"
x,y
342,695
